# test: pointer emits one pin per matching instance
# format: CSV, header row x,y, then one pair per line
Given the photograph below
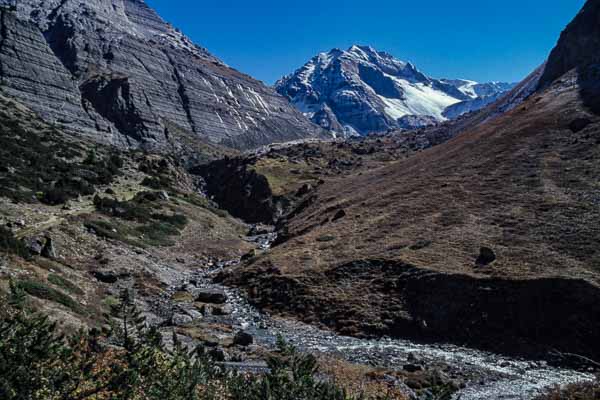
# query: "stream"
x,y
488,375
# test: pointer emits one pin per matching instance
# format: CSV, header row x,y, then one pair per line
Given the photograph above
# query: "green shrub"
x,y
156,228
40,364
55,196
64,284
128,210
292,376
177,220
157,183
10,244
45,161
45,292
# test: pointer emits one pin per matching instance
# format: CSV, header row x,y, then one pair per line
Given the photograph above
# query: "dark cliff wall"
x,y
578,46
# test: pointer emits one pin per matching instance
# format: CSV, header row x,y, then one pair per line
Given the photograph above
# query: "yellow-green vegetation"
x,y
284,176
65,284
151,227
182,297
45,292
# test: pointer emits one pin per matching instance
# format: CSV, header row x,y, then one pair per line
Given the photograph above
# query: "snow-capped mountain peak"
x,y
362,90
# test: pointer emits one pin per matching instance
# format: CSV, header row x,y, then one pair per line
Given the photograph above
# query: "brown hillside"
x,y
401,257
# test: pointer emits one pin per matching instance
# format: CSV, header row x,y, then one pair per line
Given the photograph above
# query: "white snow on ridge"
x,y
419,99
362,90
469,88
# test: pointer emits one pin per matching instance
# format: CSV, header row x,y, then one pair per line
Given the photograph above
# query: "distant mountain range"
x,y
362,90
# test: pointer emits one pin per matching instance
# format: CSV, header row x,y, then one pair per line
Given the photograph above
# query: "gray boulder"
x,y
243,339
211,296
49,250
181,320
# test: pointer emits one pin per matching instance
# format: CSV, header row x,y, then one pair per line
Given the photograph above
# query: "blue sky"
x,y
482,40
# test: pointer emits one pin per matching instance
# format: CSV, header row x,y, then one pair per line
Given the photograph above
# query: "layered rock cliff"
x,y
113,69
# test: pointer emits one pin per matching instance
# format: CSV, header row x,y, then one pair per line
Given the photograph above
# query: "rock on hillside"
x,y
119,73
362,91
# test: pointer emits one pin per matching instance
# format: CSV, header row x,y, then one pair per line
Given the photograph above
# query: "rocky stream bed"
x,y
479,374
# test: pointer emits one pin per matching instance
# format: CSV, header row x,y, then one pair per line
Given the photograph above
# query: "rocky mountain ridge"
x,y
362,91
117,72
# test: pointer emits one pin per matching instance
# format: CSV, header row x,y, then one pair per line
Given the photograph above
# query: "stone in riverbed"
x,y
181,320
211,296
243,339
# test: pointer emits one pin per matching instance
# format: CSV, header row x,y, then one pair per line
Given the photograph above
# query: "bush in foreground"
x,y
38,363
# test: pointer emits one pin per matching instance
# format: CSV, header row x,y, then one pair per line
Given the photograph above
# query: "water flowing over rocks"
x,y
479,374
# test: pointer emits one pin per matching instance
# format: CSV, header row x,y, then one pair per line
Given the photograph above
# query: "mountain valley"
x,y
358,231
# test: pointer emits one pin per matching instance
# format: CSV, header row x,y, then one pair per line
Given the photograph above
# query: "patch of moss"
x,y
182,297
45,292
64,283
158,233
110,302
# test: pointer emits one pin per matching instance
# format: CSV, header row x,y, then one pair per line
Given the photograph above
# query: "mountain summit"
x,y
362,90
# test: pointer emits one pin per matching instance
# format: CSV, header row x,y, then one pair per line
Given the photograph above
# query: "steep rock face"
x,y
579,48
398,300
365,91
236,187
29,71
126,75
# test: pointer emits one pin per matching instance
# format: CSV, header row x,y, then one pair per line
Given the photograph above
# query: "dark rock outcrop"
x,y
211,296
243,339
578,46
579,49
237,188
486,257
114,70
49,250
